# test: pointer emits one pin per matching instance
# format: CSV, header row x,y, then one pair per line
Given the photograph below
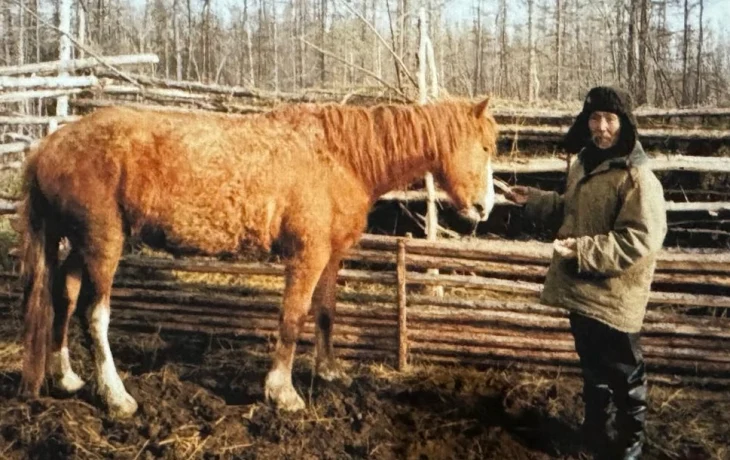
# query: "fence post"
x,y
402,324
64,55
431,211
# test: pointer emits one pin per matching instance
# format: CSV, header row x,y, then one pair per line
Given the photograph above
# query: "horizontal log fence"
x,y
557,133
546,114
473,324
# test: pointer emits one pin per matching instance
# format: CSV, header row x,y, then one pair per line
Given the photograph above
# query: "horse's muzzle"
x,y
475,213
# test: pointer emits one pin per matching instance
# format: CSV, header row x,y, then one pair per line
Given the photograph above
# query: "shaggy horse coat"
x,y
302,178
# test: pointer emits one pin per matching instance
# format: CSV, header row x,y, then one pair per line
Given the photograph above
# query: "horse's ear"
x,y
481,108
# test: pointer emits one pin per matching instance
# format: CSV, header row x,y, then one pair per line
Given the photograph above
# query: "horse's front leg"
x,y
324,303
302,276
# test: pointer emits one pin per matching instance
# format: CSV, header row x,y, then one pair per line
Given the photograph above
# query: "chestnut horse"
x,y
301,178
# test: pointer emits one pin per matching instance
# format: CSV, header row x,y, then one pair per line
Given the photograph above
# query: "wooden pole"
x,y
402,318
431,210
64,56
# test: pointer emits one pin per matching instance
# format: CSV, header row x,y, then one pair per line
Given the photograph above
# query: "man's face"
x,y
605,128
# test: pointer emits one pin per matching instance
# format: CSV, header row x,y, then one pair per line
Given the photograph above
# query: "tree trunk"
x,y
249,45
558,47
700,38
188,69
631,49
531,74
20,43
64,52
641,86
503,70
478,52
322,33
176,39
276,46
685,55
660,90
37,22
81,16
5,29
617,40
405,45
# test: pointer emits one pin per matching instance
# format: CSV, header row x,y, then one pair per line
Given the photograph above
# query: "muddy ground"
x,y
202,397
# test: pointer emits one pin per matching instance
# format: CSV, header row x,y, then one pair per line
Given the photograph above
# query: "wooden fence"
x,y
490,315
111,86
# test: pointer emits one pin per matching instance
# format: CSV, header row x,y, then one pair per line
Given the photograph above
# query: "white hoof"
x,y
121,405
63,376
331,371
70,382
280,390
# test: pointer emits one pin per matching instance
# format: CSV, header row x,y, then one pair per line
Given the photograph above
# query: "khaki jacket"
x,y
617,213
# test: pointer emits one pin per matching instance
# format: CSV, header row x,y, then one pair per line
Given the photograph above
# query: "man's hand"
x,y
518,194
566,248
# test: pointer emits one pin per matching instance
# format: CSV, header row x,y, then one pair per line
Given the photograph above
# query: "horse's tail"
x,y
39,258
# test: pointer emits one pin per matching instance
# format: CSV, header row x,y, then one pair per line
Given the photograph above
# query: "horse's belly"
x,y
212,230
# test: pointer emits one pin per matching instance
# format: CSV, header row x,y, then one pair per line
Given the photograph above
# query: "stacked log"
x,y
400,325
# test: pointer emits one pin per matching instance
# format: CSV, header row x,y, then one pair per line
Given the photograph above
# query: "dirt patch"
x,y
202,397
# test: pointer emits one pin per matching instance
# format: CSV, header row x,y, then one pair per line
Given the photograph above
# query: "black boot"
x,y
598,432
631,416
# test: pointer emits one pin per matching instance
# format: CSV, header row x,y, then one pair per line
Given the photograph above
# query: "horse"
x,y
300,180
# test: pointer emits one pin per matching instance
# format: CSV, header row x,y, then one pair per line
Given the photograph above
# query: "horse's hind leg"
x,y
100,260
324,302
65,295
301,278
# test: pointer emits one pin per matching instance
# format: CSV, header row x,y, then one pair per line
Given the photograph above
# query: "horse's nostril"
x,y
479,208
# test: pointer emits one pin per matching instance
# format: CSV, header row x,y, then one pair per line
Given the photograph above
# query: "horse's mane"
x,y
372,139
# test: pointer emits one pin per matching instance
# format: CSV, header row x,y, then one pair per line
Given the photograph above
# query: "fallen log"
x,y
557,132
48,83
244,92
639,113
85,103
12,147
703,261
79,64
20,96
656,163
32,120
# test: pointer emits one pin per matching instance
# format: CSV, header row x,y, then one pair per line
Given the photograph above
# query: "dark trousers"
x,y
614,384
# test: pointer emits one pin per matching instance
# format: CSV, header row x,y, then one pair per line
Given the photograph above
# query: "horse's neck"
x,y
409,153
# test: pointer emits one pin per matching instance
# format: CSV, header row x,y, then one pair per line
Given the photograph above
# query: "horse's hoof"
x,y
279,389
70,382
290,401
333,372
124,407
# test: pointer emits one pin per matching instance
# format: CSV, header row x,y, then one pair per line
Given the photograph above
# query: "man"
x,y
613,225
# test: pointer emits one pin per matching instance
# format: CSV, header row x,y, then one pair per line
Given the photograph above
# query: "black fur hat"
x,y
603,99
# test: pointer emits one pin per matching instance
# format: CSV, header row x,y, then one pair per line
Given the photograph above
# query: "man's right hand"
x,y
518,194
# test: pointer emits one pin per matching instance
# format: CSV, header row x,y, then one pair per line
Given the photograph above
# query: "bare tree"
x,y
322,34
478,49
558,47
631,48
176,40
685,54
503,69
531,73
642,82
700,39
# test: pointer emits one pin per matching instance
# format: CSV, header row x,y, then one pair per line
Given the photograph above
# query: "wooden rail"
x,y
477,326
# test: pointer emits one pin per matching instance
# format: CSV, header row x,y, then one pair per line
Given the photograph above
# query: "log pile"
x,y
473,323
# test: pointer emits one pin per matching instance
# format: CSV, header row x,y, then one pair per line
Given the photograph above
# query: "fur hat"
x,y
603,99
